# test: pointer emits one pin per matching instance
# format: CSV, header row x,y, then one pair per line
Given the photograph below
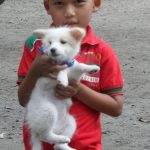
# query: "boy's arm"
x,y
101,102
25,88
41,66
27,85
110,105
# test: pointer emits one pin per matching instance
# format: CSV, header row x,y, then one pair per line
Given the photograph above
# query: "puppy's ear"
x,y
40,32
77,33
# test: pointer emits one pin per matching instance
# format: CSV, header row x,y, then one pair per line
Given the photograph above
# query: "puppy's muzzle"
x,y
53,51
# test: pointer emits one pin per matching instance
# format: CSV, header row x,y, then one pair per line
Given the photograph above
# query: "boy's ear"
x,y
40,32
46,5
77,33
97,4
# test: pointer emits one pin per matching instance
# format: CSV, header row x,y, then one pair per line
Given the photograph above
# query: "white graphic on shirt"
x,y
87,53
86,77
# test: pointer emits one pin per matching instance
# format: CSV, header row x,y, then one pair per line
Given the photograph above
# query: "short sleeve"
x,y
29,54
111,78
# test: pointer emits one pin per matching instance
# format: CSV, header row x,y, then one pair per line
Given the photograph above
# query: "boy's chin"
x,y
73,25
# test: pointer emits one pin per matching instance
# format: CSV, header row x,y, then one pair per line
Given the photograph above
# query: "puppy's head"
x,y
61,44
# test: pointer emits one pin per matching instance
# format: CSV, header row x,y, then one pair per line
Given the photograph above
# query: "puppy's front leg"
x,y
62,78
84,68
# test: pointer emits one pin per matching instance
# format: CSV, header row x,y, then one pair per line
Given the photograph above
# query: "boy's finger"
x,y
45,57
56,69
52,76
59,67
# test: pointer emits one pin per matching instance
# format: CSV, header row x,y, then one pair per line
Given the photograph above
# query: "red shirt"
x,y
108,80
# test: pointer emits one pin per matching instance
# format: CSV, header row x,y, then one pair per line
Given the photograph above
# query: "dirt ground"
x,y
125,24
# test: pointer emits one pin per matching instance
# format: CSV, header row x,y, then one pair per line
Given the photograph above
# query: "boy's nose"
x,y
70,11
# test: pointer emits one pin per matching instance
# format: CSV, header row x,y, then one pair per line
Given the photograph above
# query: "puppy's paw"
x,y
63,146
94,69
63,139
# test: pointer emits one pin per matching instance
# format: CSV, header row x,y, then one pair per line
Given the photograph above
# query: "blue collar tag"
x,y
41,49
69,63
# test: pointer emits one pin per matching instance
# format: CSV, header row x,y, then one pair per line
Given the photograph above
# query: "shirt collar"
x,y
90,37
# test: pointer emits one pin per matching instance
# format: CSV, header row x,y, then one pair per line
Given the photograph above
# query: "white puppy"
x,y
46,115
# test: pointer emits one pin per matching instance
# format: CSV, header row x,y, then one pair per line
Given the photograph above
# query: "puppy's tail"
x,y
36,143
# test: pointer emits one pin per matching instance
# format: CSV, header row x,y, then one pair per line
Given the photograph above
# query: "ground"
x,y
123,24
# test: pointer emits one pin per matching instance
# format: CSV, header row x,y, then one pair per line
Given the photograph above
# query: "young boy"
x,y
95,94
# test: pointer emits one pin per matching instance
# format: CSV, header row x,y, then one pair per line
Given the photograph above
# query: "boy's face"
x,y
71,12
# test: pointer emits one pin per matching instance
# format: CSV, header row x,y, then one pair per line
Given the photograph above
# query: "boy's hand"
x,y
67,92
43,66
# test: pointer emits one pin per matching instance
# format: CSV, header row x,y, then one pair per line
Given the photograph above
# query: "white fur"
x,y
46,115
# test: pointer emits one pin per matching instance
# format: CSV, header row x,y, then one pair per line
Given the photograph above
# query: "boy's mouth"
x,y
72,24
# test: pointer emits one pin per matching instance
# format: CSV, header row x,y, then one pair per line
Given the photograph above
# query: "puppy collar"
x,y
69,63
41,49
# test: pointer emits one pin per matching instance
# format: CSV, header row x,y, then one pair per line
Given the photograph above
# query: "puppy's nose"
x,y
53,50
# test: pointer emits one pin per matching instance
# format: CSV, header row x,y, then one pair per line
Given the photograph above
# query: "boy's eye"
x,y
80,1
58,3
63,41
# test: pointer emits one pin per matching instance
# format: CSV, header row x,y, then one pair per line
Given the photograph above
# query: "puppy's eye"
x,y
50,42
63,42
